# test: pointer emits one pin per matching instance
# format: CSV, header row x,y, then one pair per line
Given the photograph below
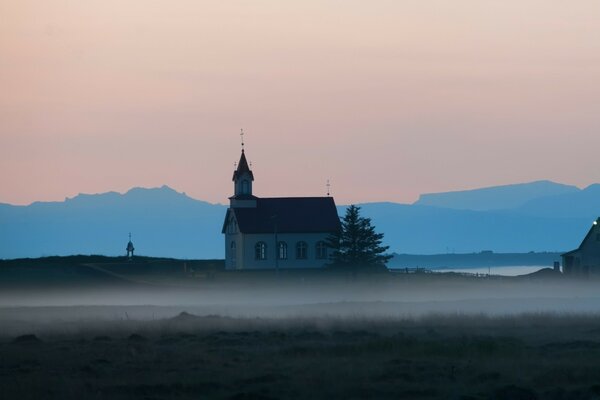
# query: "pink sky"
x,y
388,99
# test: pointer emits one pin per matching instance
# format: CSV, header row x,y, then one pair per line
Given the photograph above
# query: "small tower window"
x,y
245,187
260,251
301,248
321,248
282,251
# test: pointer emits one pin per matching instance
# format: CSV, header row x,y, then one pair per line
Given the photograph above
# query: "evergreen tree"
x,y
358,246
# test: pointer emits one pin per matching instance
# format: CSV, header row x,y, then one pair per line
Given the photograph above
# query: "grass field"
x,y
99,328
528,356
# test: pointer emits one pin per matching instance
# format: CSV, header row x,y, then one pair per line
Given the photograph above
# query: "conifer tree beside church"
x,y
358,246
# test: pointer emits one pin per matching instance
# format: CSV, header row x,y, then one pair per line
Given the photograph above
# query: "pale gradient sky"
x,y
388,99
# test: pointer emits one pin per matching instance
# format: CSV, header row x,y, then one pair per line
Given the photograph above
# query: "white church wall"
x,y
250,240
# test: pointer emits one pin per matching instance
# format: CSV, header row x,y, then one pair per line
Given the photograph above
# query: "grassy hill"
x,y
96,270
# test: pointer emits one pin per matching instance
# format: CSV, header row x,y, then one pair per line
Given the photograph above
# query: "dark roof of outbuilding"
x,y
243,168
291,214
568,253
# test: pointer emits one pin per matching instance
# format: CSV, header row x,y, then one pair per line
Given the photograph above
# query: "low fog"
x,y
70,310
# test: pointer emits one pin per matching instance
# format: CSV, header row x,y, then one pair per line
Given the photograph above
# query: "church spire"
x,y
242,168
243,176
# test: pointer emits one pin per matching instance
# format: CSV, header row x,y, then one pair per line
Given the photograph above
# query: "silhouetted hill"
x,y
163,223
93,271
497,197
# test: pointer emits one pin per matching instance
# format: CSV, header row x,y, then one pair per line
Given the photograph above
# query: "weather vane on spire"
x,y
242,137
328,188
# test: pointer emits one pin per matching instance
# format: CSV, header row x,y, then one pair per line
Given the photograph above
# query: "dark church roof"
x,y
243,168
291,214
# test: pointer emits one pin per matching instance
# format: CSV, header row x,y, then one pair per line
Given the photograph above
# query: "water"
x,y
503,271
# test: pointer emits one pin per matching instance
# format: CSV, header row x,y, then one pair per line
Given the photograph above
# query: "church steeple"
x,y
243,177
242,181
242,168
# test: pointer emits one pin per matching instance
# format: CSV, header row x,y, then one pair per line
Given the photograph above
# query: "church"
x,y
276,233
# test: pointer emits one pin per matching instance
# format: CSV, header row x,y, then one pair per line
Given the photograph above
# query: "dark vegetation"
x,y
357,246
96,270
534,356
100,271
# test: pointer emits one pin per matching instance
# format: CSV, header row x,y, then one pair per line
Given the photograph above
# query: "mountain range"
x,y
537,216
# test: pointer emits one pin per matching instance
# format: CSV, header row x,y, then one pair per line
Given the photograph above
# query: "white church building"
x,y
282,232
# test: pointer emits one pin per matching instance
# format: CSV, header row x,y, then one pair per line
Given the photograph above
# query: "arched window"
x,y
233,253
232,226
301,248
321,248
245,187
282,250
260,251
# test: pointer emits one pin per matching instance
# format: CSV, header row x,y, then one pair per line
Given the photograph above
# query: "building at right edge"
x,y
584,260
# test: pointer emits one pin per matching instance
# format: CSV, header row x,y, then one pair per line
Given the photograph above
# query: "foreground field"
x,y
527,356
100,328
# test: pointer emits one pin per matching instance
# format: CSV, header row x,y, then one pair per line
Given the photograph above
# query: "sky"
x,y
387,99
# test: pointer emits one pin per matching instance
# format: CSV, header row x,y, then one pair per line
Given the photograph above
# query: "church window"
x,y
245,187
321,250
260,251
301,250
233,255
282,251
232,227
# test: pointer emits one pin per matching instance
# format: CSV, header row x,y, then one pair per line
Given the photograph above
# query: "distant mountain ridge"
x,y
582,204
162,221
539,216
495,197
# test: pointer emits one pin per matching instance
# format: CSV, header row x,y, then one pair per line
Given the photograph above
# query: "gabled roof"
x,y
568,253
289,214
243,197
243,168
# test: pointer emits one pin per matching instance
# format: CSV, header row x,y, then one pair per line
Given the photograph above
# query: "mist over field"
x,y
311,297
275,337
112,327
